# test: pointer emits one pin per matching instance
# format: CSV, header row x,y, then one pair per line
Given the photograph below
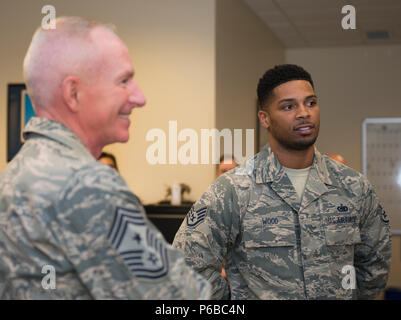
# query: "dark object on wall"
x,y
167,218
392,294
19,110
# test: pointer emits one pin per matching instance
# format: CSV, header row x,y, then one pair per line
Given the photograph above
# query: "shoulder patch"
x,y
142,251
384,215
195,217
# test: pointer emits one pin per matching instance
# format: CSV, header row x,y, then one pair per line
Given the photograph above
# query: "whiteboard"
x,y
381,162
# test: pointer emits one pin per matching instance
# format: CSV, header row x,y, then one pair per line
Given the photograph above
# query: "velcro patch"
x,y
383,214
143,252
340,220
195,217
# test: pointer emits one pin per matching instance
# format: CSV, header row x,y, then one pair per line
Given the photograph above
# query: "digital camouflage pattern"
x,y
60,207
277,247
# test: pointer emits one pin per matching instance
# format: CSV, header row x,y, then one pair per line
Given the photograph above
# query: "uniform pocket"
x,y
344,235
270,265
270,237
340,244
271,229
342,229
341,222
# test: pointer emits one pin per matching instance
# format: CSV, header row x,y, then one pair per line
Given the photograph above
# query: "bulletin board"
x,y
19,111
381,161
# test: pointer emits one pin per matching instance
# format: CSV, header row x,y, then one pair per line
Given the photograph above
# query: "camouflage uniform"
x,y
60,207
277,247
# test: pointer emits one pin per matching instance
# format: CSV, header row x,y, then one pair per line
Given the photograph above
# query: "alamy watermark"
x,y
196,149
49,20
49,280
349,20
349,280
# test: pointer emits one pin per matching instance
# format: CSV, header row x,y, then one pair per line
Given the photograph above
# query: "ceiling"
x,y
317,23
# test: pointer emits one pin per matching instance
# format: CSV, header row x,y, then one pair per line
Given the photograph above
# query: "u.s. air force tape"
x,y
195,217
142,251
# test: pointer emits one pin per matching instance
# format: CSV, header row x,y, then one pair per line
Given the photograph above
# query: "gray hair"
x,y
56,53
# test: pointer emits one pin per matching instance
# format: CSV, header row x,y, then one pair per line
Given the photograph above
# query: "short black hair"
x,y
110,156
278,75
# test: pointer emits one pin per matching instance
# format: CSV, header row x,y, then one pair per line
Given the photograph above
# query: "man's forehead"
x,y
293,87
290,90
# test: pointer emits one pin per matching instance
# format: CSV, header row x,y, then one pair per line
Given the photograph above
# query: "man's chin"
x,y
305,144
122,138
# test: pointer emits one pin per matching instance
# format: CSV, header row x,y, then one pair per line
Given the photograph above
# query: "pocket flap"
x,y
270,237
342,235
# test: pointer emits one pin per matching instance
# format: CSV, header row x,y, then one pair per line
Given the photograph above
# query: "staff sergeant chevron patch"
x,y
143,252
195,217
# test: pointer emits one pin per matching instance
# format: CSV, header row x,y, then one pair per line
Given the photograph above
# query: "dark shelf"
x,y
168,209
167,218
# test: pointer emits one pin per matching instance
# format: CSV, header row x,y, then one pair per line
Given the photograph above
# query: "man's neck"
x,y
72,125
294,159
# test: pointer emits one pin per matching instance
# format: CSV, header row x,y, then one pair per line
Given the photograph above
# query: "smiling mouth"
x,y
303,128
124,116
306,128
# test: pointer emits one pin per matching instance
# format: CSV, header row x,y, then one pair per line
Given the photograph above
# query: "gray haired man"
x,y
62,210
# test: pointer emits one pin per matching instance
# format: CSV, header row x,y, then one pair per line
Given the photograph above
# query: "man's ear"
x,y
69,90
264,118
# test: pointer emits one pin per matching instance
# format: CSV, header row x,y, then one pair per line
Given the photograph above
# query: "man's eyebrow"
x,y
292,99
127,74
311,96
287,100
130,74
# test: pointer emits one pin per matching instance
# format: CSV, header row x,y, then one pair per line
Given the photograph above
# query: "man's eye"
x,y
311,103
288,107
126,81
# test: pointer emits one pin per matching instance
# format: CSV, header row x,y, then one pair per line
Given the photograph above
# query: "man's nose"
x,y
302,111
137,98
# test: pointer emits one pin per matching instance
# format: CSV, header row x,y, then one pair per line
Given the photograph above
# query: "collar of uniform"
x,y
267,166
269,169
320,164
55,131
